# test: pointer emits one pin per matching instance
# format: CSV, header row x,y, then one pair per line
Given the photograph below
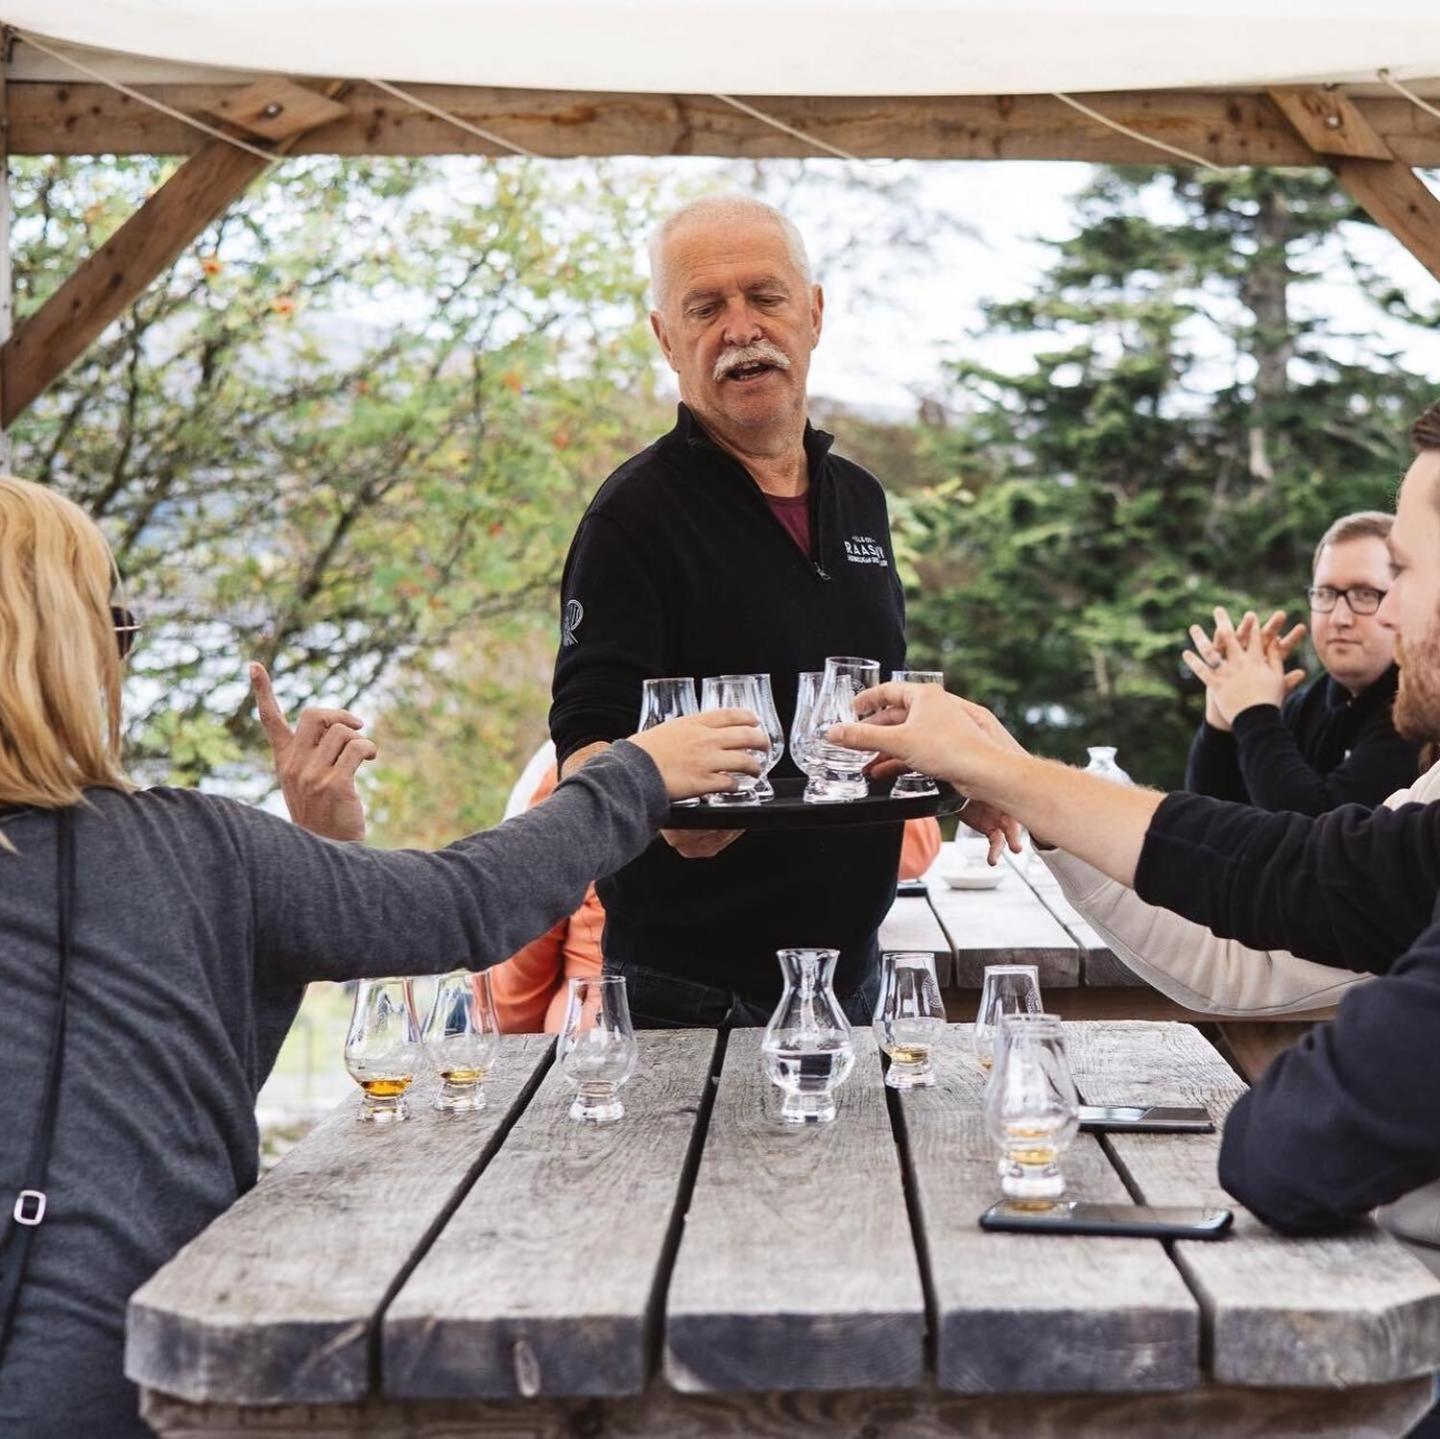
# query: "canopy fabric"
x,y
771,47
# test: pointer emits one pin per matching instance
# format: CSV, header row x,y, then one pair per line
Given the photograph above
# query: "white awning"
x,y
770,47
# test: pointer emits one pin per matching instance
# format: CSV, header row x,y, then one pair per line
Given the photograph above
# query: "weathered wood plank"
x,y
1024,1311
797,1268
1378,1412
1099,966
1394,196
1330,123
276,1301
1004,925
544,1280
1356,1309
1227,128
912,925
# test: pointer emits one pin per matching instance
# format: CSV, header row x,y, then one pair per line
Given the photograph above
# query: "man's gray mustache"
x,y
761,352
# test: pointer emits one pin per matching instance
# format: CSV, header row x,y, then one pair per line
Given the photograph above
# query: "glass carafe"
x,y
808,1048
1102,761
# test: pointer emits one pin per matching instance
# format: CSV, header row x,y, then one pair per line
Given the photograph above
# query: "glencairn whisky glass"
x,y
802,727
597,1051
808,1049
912,784
461,1038
737,692
666,699
909,1018
382,1048
840,772
1008,989
769,719
1031,1109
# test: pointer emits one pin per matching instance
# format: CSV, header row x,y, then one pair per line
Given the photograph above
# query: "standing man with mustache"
x,y
738,543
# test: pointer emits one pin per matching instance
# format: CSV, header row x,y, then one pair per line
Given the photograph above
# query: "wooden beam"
x,y
1228,128
1331,123
49,341
1393,195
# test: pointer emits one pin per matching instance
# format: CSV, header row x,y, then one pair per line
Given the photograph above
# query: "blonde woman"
x,y
189,925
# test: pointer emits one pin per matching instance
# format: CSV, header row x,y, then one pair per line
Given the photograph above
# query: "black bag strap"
x,y
28,1211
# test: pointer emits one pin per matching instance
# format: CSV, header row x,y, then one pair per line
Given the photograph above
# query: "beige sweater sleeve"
x,y
1193,966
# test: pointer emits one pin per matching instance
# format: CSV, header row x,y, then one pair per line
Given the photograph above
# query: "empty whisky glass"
x,y
1007,989
840,772
1031,1109
666,699
736,692
911,784
808,1050
382,1048
909,1018
802,726
597,1051
770,722
461,1036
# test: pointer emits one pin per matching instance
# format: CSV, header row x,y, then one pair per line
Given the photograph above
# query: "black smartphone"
x,y
1079,1216
1146,1119
911,889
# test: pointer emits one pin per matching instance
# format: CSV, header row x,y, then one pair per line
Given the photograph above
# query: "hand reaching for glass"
x,y
702,753
939,734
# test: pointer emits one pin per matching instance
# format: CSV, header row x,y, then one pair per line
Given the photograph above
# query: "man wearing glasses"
x,y
1331,742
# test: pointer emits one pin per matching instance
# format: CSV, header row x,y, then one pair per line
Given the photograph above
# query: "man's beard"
x,y
1417,701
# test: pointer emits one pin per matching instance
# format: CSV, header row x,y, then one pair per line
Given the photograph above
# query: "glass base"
x,y
913,786
764,790
832,788
685,803
807,1109
1030,1181
459,1098
597,1104
734,797
385,1110
910,1076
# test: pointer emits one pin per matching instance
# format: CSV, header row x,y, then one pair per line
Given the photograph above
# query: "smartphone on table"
x,y
1146,1119
1080,1216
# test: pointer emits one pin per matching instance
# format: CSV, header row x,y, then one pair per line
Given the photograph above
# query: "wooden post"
x,y
106,283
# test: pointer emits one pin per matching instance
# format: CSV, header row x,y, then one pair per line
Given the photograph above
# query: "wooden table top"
x,y
701,1268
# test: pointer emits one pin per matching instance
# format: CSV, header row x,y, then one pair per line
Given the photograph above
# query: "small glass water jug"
x,y
808,1047
1102,761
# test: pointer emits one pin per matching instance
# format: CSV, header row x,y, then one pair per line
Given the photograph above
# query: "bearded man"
x,y
738,543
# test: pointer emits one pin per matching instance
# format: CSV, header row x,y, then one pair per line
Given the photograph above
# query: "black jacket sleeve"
x,y
1351,888
612,636
1278,776
1345,1120
1213,766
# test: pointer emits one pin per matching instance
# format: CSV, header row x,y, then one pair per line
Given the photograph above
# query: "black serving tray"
x,y
789,811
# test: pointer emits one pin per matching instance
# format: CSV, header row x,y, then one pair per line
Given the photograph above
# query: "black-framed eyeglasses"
x,y
1362,599
126,627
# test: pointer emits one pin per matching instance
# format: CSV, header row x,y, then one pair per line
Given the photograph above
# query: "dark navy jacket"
x,y
1349,1117
679,567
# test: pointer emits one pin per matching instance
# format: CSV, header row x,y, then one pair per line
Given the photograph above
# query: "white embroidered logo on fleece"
x,y
863,550
574,613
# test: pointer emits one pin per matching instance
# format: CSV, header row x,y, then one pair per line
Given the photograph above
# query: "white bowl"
x,y
978,877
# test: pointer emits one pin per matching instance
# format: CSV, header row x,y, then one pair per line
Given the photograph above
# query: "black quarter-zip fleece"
x,y
679,567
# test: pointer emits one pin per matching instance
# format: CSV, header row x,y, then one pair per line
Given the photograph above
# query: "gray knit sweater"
x,y
198,922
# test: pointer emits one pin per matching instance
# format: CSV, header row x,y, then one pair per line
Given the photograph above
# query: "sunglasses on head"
x,y
126,627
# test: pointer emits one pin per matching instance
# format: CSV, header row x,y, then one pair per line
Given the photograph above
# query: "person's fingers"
x,y
740,735
1203,672
1246,627
720,719
1273,625
1285,645
863,736
272,717
1293,680
1204,647
1013,832
310,728
997,847
893,694
329,746
357,750
886,768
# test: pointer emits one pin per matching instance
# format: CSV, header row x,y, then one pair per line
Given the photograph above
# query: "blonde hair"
x,y
59,664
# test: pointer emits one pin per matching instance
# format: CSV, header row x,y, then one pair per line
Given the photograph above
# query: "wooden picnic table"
x,y
701,1269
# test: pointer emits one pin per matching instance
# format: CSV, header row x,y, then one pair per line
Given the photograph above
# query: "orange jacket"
x,y
530,987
